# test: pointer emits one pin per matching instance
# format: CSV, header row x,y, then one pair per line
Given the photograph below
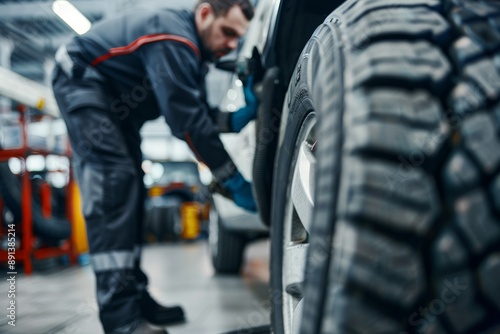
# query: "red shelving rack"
x,y
27,252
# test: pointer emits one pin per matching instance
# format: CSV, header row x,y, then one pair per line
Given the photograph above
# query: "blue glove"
x,y
240,118
241,191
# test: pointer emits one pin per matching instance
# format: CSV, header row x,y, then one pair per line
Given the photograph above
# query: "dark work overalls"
x,y
107,83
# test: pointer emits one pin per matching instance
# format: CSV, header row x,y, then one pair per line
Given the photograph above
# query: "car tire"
x,y
226,248
288,223
406,228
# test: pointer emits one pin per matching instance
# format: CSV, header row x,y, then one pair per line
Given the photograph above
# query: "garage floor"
x,y
63,301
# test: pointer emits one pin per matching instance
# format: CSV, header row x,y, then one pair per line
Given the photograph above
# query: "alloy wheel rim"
x,y
297,222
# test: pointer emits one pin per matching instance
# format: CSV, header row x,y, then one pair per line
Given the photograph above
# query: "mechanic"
x,y
108,82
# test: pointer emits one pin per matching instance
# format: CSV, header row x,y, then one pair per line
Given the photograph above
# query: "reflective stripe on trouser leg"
x,y
114,260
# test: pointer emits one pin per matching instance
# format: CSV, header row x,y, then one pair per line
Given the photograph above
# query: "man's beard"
x,y
212,55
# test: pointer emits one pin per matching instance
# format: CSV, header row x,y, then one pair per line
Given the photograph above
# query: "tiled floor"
x,y
62,301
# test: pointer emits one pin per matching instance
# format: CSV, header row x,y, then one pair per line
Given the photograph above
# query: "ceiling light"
x,y
72,16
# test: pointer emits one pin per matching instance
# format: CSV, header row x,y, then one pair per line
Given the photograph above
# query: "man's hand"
x,y
241,191
240,118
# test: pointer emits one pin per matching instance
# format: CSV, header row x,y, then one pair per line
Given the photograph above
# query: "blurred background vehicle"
x,y
177,202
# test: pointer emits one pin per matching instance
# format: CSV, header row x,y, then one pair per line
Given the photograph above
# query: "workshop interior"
x,y
334,167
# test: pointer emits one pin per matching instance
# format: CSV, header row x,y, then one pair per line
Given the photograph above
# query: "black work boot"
x,y
157,314
145,328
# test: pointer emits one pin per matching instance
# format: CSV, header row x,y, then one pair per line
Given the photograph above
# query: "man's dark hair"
x,y
221,7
